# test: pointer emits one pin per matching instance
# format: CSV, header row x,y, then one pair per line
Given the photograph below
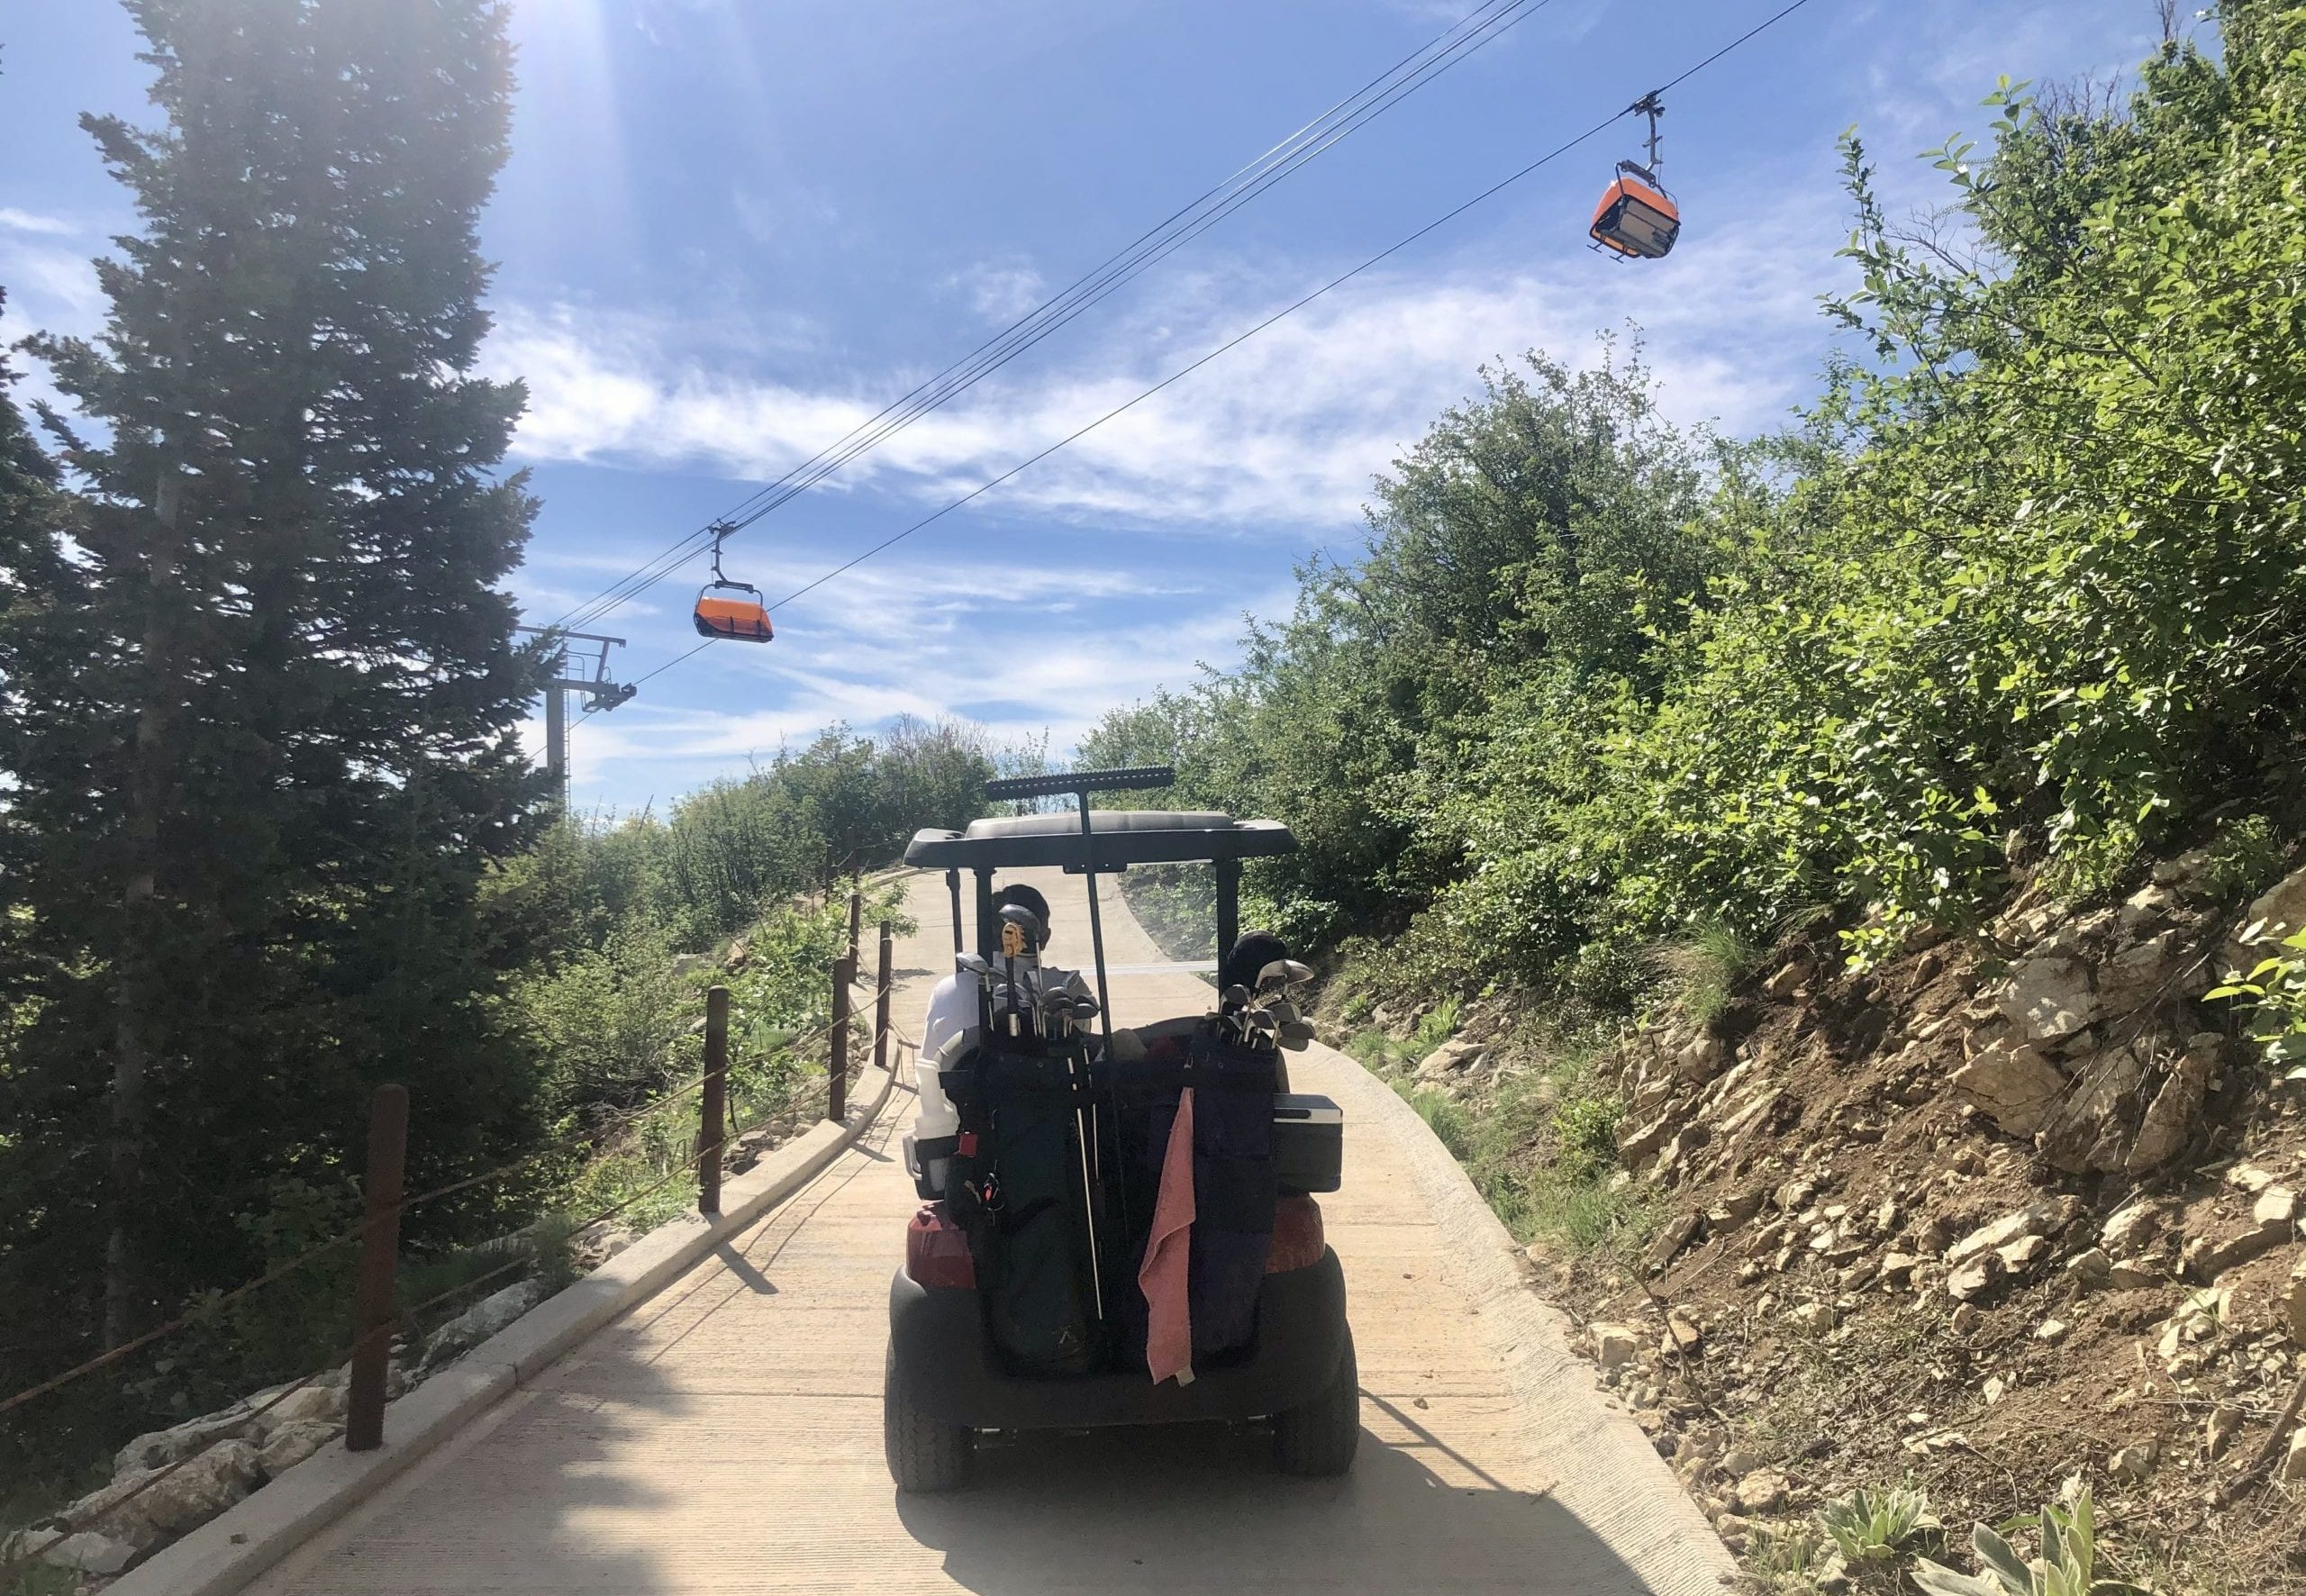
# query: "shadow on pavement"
x,y
1188,1508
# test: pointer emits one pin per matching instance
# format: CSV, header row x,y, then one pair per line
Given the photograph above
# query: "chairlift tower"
x,y
577,667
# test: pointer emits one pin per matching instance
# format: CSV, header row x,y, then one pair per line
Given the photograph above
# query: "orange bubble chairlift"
x,y
1637,219
726,609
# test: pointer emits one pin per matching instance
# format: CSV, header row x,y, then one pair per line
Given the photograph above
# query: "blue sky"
x,y
730,229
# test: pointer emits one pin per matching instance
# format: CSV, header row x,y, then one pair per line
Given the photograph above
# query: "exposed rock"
x,y
144,1510
2248,1177
1638,1141
86,1552
1682,1333
1787,981
2137,975
161,1448
1450,1057
2209,1256
1965,1319
2052,1330
2091,1269
2224,1420
2293,1302
478,1322
2047,998
2045,1217
1677,1151
2293,1462
2277,912
1614,1346
1704,1059
290,1443
1761,1492
1975,1278
2131,1464
2023,1253
2148,907
1812,1318
2132,1227
1735,1209
2092,1128
1897,1268
1674,1235
2012,1084
2170,1118
2276,1211
1740,1461
2130,1273
307,1403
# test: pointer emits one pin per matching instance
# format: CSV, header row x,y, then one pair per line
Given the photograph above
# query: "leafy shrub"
x,y
1438,1024
2275,990
2246,856
2066,1567
1871,1525
1586,1128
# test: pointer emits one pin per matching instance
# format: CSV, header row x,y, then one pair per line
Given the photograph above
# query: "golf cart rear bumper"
x,y
937,1342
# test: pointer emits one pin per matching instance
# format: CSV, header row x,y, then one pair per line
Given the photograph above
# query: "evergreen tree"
x,y
264,797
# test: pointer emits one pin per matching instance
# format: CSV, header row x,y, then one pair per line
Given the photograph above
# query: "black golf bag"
x,y
1018,1189
1234,1186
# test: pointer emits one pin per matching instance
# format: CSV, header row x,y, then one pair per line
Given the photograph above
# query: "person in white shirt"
x,y
953,1019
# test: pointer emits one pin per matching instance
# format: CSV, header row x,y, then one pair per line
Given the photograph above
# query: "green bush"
x,y
2244,859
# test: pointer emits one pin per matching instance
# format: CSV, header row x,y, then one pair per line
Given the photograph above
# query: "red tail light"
x,y
1297,1238
937,1251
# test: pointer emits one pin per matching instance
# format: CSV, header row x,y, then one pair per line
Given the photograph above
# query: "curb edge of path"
x,y
1605,1470
231,1551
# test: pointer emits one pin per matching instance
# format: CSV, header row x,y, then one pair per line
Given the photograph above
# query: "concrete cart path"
x,y
725,1437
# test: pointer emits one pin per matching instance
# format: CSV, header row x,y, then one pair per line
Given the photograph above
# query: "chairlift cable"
x,y
1246,183
1448,216
1555,153
1109,279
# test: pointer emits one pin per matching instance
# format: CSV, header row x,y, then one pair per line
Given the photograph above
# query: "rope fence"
x,y
594,1135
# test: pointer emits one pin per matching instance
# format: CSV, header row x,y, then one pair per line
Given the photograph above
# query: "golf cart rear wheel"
x,y
1317,1440
925,1457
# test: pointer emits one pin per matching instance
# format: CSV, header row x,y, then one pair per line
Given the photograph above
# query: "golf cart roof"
x,y
1124,837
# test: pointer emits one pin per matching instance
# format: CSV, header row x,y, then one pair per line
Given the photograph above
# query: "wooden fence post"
x,y
375,1305
881,1005
713,1127
856,918
844,971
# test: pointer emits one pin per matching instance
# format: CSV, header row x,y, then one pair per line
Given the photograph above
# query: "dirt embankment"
x,y
2013,1208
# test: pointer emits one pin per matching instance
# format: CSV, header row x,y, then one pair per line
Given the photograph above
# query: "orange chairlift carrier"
x,y
1637,219
726,609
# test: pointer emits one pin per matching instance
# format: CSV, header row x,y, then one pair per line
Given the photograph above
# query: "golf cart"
x,y
1118,1227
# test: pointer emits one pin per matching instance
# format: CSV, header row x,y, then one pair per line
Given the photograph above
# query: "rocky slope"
x,y
2015,1208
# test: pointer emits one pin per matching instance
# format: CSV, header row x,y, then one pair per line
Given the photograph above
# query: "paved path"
x,y
725,1437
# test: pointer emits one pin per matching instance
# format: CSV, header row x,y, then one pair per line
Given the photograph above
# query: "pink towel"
x,y
1162,1277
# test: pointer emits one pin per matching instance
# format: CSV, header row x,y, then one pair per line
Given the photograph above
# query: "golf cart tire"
x,y
1316,1440
925,1457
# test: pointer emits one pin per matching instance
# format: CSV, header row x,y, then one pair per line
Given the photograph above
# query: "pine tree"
x,y
264,797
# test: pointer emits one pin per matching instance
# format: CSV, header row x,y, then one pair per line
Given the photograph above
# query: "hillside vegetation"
x,y
2023,588
268,836
1795,875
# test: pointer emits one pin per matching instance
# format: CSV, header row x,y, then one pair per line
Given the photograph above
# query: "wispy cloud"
x,y
1000,294
14,221
1022,652
1283,433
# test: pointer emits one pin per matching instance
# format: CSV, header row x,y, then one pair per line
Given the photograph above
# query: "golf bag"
x,y
1234,1185
1017,1190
